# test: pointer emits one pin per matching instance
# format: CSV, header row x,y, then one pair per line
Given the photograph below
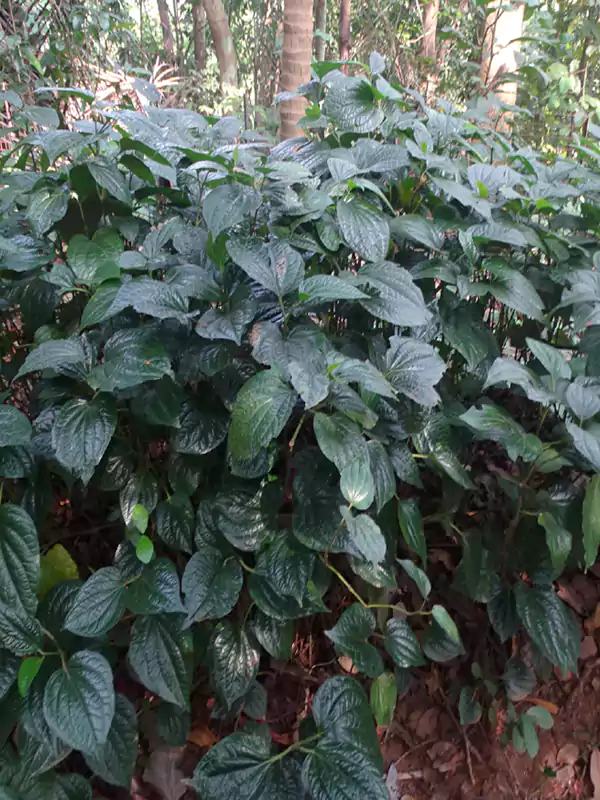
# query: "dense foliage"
x,y
276,382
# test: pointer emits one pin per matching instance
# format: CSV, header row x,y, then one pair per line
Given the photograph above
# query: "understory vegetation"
x,y
334,391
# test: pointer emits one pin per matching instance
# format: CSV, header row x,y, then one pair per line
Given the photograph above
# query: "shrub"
x,y
282,377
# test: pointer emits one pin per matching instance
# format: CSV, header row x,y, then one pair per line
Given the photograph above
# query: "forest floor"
x,y
428,755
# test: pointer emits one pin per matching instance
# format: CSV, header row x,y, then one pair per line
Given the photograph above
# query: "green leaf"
x,y
342,769
99,605
82,432
175,523
46,206
15,428
586,443
19,633
263,406
98,308
288,566
235,661
364,228
27,671
541,717
513,289
156,654
172,725
414,368
10,666
583,400
493,422
211,584
418,229
227,205
528,737
110,177
354,627
276,266
144,549
156,591
160,403
445,621
350,105
550,358
550,624
502,611
95,260
139,519
518,678
438,645
19,559
363,538
591,521
114,761
558,540
393,295
53,354
201,430
383,474
79,701
55,566
402,644
131,356
275,636
357,485
384,694
469,709
328,288
418,576
243,765
141,489
241,517
411,525
339,439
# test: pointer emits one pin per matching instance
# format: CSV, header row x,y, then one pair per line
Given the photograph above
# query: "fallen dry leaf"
x,y
595,772
347,665
391,783
163,773
592,623
568,754
588,648
550,707
202,736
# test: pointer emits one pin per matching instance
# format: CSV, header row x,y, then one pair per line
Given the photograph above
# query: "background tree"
x,y
199,22
501,43
428,49
220,29
321,27
167,30
344,29
295,67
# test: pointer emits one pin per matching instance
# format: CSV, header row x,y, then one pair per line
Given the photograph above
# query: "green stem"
x,y
245,566
296,432
295,746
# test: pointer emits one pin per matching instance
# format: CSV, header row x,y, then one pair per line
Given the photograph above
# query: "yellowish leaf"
x,y
56,566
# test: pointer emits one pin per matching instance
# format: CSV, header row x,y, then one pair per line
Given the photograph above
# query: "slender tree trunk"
x,y
428,49
218,23
344,29
499,54
167,30
199,21
320,25
295,68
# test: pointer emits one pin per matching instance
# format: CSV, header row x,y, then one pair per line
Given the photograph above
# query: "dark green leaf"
x,y
275,636
114,761
46,206
414,368
109,177
99,604
350,635
15,428
364,228
54,354
79,701
591,520
357,484
418,576
276,266
175,522
469,709
211,584
19,559
383,698
234,661
518,678
27,671
156,591
402,644
411,525
157,654
82,432
558,540
550,624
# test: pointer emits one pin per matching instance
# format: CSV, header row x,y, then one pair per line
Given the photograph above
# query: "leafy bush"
x,y
283,378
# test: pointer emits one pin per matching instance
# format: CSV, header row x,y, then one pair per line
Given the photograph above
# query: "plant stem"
x,y
295,746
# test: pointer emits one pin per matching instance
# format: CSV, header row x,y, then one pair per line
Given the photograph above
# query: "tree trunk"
x,y
218,23
320,25
499,54
344,29
199,20
428,49
167,30
295,67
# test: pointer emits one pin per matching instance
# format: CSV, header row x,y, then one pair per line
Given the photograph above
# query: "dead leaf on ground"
x,y
568,754
595,772
552,708
593,623
202,736
163,773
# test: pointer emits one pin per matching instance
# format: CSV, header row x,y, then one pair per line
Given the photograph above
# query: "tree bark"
x,y
167,30
295,67
344,29
428,49
218,23
499,54
320,25
199,21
